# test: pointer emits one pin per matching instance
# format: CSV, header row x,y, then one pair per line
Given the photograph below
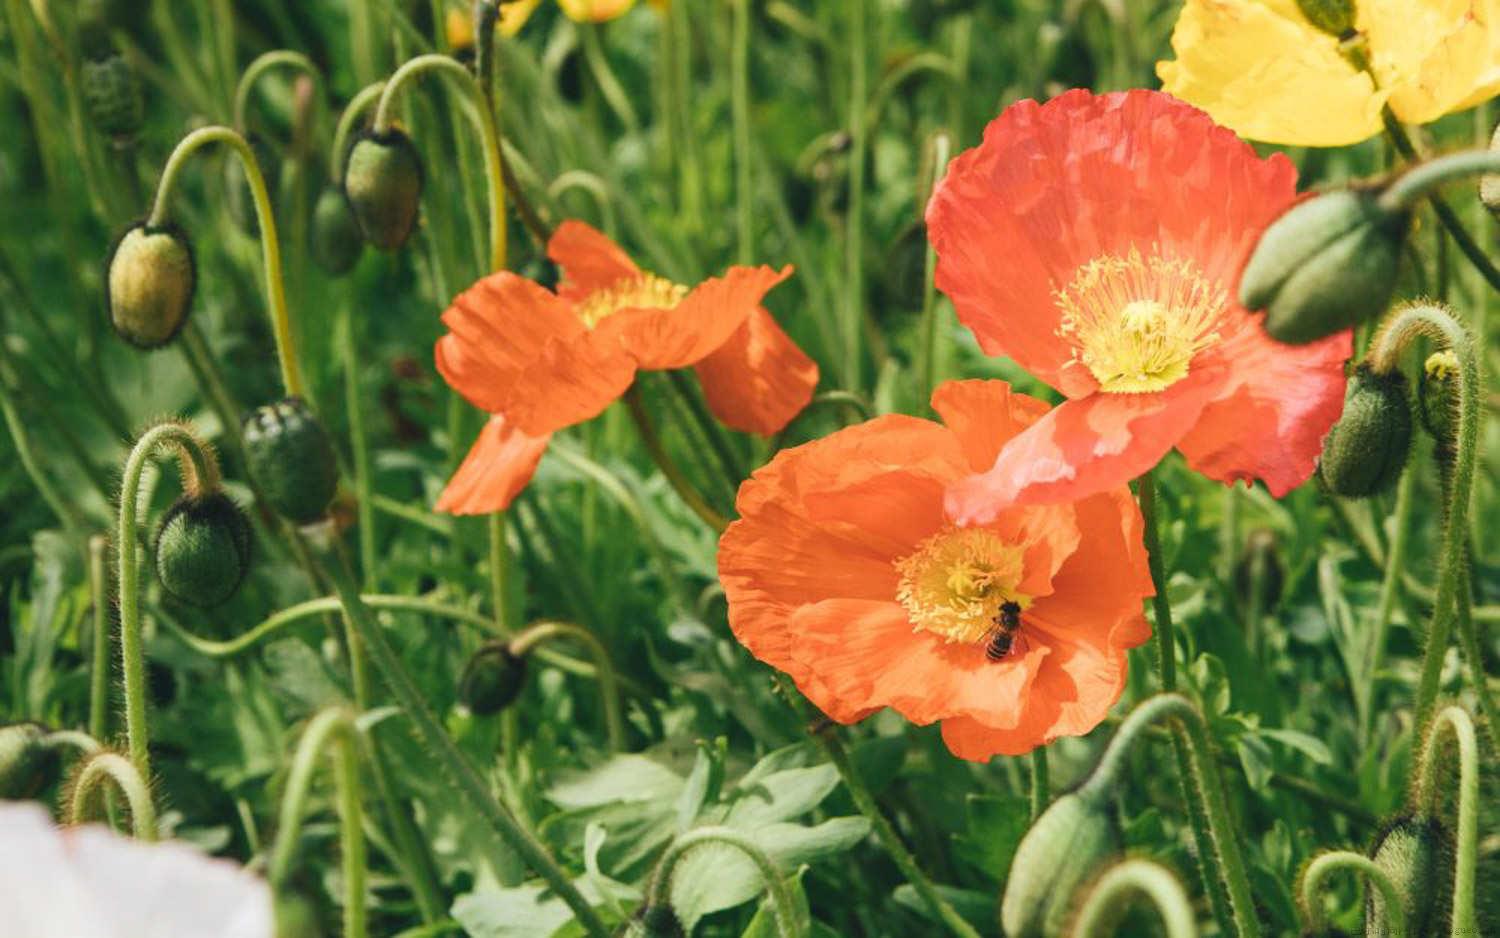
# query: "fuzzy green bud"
x,y
26,761
336,238
148,284
1065,849
1328,263
1416,853
1367,449
1438,396
112,96
1334,17
383,182
291,458
492,679
202,549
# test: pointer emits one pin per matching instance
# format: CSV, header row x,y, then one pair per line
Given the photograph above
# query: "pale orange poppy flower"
x,y
539,361
846,572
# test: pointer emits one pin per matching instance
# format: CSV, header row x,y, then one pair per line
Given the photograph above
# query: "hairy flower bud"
x,y
1326,264
492,679
383,182
112,96
1367,449
148,284
1437,397
1416,853
1063,850
1334,17
202,549
336,238
291,458
26,761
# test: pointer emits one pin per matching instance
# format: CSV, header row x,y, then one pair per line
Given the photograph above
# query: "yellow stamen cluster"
x,y
1136,322
955,581
648,291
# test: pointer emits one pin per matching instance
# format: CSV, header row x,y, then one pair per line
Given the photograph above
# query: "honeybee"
x,y
1002,637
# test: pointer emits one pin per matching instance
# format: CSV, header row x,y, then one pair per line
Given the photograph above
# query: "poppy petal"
x,y
758,380
984,415
588,259
498,466
570,381
696,327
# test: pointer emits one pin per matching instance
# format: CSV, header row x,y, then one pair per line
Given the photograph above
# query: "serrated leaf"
x,y
622,778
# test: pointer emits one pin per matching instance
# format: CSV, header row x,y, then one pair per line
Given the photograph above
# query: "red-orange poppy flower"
x,y
1097,240
846,572
540,361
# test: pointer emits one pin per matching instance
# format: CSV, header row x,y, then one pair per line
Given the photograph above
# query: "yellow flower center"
x,y
1136,322
955,581
648,291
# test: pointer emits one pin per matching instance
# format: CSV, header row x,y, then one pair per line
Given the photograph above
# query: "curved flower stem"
x,y
1435,322
99,668
105,766
200,472
679,482
1458,721
1326,863
1390,587
439,745
1114,888
335,725
739,72
1419,181
85,743
854,307
659,892
281,327
280,58
356,107
544,631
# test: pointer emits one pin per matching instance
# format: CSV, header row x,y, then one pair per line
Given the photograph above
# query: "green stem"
x,y
21,439
659,892
679,482
1040,789
604,77
356,107
1326,863
854,235
105,766
739,70
281,58
729,463
335,725
200,473
1390,588
609,692
359,444
1101,908
690,192
1435,322
1166,647
499,563
1420,180
927,370
1473,650
281,327
1465,925
99,670
440,745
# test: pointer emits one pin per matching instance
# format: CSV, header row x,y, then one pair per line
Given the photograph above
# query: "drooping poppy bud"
x,y
1325,265
1334,17
291,459
1367,449
202,549
336,238
1263,558
1062,851
492,679
1417,854
1437,397
383,182
112,96
26,761
148,284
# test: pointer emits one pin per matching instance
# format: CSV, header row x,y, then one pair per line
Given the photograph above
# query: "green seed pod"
x,y
1334,17
148,284
112,96
26,761
291,458
1417,854
1325,265
1367,449
336,238
1437,396
492,680
1260,549
1066,847
383,182
202,549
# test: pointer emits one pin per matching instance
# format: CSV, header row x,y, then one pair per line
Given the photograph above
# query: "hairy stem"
x,y
659,892
1102,907
1458,721
1326,863
105,766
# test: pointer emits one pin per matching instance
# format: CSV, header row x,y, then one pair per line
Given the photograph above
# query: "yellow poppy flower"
x,y
515,13
1260,68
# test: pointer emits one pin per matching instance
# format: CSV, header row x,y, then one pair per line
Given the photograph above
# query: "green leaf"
x,y
1310,746
622,778
996,824
782,796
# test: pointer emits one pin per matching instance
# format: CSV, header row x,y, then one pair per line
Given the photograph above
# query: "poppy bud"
x,y
492,680
1327,263
1437,396
291,458
1064,849
336,239
1260,550
383,182
26,761
1334,17
112,96
148,284
1415,852
655,921
202,549
1367,449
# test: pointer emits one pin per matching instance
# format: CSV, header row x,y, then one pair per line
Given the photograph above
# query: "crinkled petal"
x,y
696,327
499,465
758,380
588,259
570,381
984,415
1437,56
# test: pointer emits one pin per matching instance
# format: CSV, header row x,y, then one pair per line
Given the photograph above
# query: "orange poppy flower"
x,y
540,361
1097,240
846,572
